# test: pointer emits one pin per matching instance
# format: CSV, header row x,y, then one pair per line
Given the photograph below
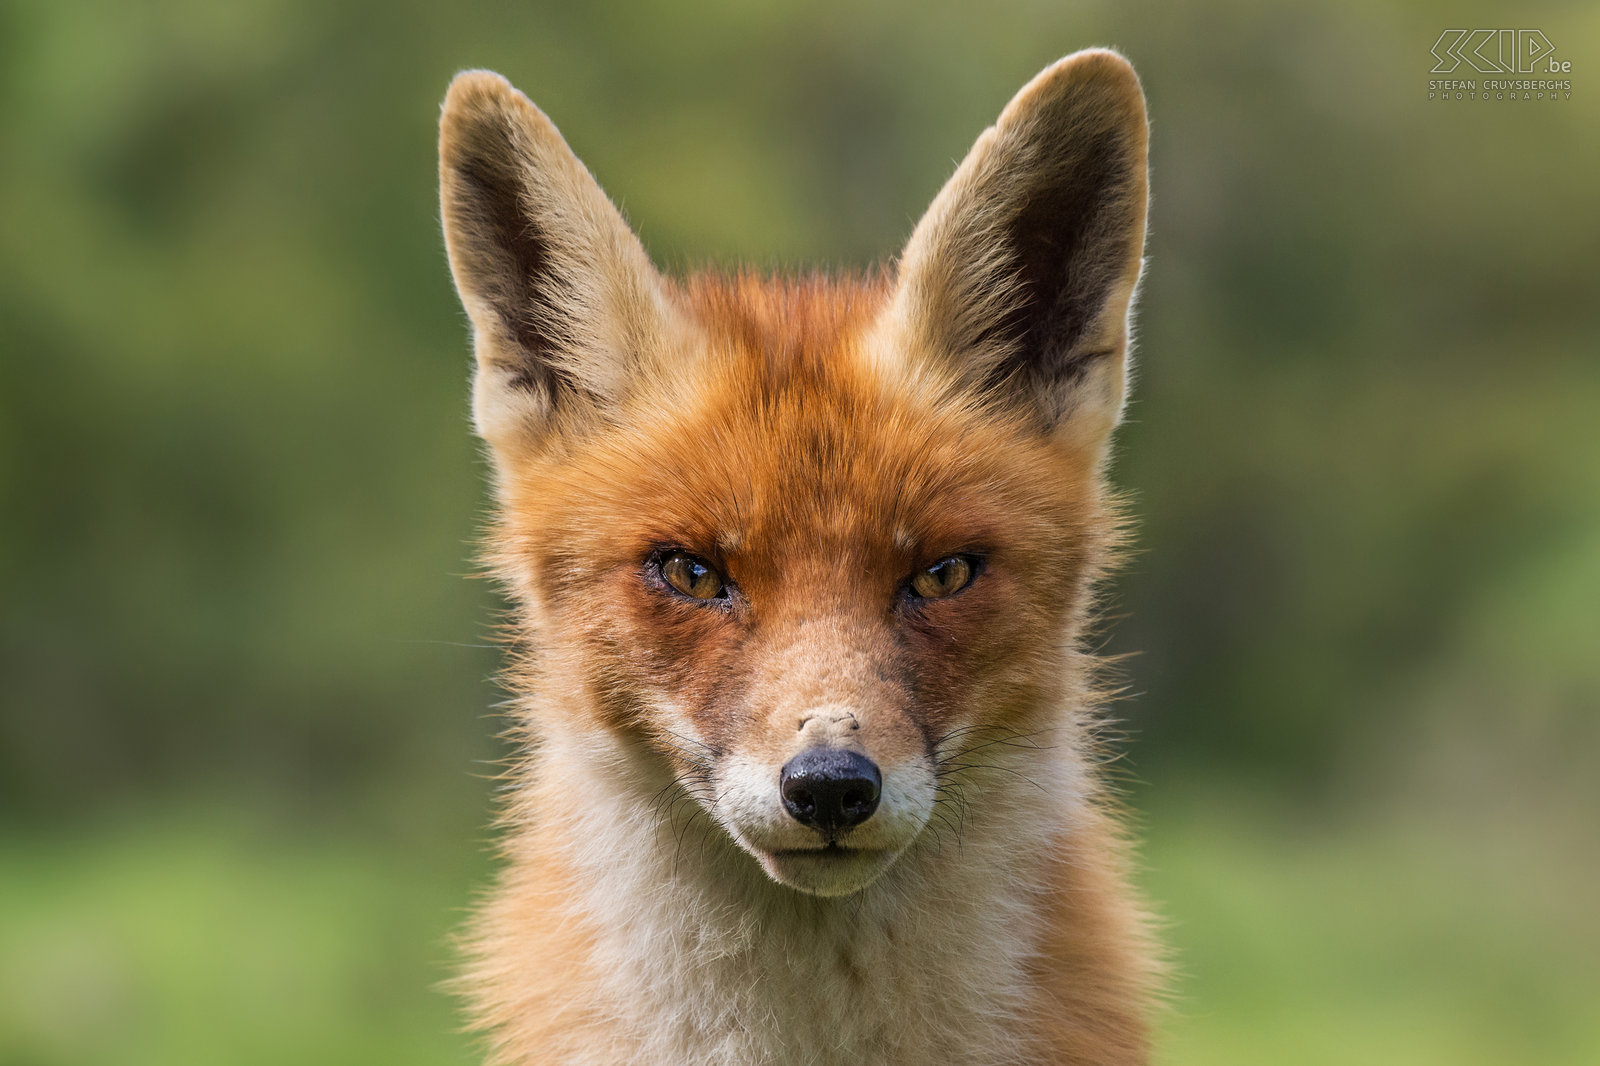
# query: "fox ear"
x,y
1018,281
562,298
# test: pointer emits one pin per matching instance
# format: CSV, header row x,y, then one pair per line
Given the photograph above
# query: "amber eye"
x,y
944,578
692,576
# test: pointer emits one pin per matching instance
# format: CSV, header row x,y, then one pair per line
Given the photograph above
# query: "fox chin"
x,y
801,571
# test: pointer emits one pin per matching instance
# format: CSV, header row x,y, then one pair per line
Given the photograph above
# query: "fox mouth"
x,y
831,850
831,869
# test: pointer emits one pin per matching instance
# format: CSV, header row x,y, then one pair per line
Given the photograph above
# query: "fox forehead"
x,y
781,445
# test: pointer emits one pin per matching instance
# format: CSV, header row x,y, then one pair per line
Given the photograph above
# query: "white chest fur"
x,y
699,958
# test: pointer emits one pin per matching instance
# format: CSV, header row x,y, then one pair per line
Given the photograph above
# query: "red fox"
x,y
801,570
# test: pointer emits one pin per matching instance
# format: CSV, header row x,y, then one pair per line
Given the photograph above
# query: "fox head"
x,y
805,545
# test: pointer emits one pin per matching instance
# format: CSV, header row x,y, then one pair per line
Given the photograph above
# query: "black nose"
x,y
830,789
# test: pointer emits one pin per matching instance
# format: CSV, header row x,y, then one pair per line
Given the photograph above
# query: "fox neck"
x,y
706,960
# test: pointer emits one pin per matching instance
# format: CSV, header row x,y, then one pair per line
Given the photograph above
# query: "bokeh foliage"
x,y
243,675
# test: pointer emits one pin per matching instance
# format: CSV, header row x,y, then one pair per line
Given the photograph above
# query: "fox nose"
x,y
830,789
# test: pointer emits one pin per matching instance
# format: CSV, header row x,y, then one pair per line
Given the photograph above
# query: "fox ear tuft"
x,y
562,298
1018,281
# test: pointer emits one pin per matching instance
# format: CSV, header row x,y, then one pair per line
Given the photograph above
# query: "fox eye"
x,y
692,576
945,577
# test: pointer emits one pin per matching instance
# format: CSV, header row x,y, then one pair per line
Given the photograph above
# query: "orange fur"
x,y
815,441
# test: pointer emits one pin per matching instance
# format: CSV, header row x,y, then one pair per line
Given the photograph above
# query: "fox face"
x,y
809,547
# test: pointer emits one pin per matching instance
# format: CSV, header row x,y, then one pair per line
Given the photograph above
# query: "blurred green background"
x,y
246,696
